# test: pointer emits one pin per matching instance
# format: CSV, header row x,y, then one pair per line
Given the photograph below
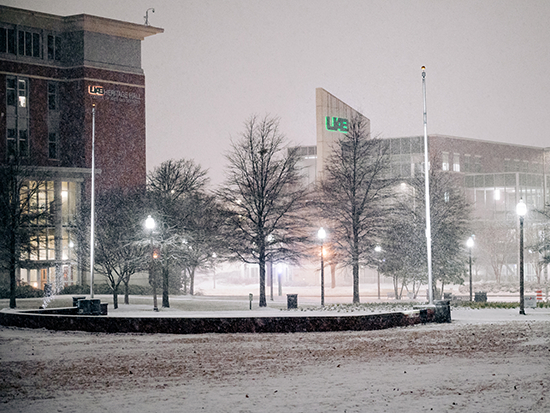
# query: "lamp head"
x,y
321,234
470,242
521,208
150,223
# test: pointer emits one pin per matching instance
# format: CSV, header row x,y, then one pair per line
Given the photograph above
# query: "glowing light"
x,y
521,208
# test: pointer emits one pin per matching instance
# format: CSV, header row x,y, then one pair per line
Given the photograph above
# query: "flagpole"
x,y
427,192
92,213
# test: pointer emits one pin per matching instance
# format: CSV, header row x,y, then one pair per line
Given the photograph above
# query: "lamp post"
x,y
470,245
92,209
521,210
150,225
427,192
378,249
321,234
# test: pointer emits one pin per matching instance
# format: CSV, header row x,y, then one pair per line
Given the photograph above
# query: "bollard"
x,y
250,298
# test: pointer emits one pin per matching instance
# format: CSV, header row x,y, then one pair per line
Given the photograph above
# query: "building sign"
x,y
96,90
122,96
335,124
115,95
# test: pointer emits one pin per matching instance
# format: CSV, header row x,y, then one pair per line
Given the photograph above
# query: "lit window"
x,y
456,162
445,161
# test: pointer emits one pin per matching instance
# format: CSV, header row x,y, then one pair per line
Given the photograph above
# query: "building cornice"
x,y
78,22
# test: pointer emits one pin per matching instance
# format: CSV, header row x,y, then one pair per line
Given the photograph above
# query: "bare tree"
x,y
20,215
119,253
170,186
201,238
354,190
262,196
405,240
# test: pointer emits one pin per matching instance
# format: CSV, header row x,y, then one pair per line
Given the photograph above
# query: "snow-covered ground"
x,y
484,361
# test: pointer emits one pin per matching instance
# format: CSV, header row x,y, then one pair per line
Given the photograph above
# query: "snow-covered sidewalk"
x,y
484,361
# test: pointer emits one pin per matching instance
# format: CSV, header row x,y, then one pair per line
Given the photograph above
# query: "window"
x,y
54,47
477,163
7,40
52,145
20,42
17,117
467,163
52,95
29,44
456,162
445,161
53,120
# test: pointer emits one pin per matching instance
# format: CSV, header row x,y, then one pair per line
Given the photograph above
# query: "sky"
x,y
219,62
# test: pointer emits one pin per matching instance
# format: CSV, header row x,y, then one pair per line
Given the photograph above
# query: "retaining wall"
x,y
200,325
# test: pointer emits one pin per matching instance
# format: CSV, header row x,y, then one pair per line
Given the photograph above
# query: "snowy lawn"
x,y
485,361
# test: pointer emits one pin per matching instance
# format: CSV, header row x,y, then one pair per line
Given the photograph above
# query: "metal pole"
x,y
470,273
153,275
427,191
521,297
322,277
92,212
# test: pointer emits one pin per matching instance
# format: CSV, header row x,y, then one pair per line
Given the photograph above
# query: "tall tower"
x,y
333,117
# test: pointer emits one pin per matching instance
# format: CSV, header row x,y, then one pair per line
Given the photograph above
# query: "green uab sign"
x,y
335,124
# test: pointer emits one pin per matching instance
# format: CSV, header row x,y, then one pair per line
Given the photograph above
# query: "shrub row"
x,y
477,305
22,291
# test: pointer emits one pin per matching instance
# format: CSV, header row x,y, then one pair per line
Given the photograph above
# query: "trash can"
x,y
442,311
89,307
480,297
75,300
292,301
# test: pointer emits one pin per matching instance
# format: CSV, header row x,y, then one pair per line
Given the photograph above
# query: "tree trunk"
x,y
165,301
13,268
115,298
356,283
261,261
355,263
192,281
127,292
332,275
12,286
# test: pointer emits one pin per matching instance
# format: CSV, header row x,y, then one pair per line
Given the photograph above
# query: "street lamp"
x,y
150,225
321,234
378,249
470,245
521,210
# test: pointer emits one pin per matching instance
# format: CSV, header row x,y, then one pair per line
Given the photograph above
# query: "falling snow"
x,y
484,361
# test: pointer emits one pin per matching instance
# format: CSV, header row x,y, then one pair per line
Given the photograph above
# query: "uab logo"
x,y
337,124
96,90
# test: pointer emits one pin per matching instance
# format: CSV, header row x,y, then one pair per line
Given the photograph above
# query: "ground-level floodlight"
x,y
521,210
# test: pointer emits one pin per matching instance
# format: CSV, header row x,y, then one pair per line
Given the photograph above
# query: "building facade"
x,y
493,175
58,76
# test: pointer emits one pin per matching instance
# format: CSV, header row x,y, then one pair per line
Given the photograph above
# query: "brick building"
x,y
53,70
494,176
